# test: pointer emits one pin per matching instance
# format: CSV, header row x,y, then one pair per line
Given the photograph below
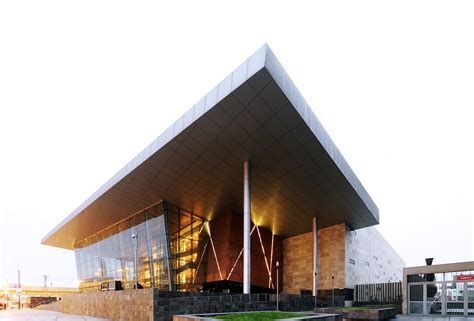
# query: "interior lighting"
x,y
264,255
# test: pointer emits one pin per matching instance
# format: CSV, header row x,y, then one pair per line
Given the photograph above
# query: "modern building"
x,y
442,289
245,183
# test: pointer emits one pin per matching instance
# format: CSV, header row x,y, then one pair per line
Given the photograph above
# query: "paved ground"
x,y
430,318
37,315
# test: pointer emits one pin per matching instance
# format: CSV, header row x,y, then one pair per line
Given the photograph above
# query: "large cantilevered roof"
x,y
256,113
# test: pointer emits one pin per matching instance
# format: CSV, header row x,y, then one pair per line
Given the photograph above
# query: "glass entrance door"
x,y
434,298
455,298
415,301
470,297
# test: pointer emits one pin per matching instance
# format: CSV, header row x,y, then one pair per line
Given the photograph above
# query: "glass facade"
x,y
169,247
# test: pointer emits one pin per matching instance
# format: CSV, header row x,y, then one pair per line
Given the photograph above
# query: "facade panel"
x,y
370,258
352,257
298,260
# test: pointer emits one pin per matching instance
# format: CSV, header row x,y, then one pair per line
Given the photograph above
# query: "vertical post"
x,y
409,299
168,247
150,250
178,250
425,310
333,289
135,259
466,298
278,287
444,293
315,261
247,227
19,288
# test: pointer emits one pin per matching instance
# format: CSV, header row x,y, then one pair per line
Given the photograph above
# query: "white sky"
x,y
86,85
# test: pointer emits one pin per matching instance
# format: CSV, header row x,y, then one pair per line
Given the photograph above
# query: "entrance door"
x,y
434,298
415,298
441,298
470,297
455,298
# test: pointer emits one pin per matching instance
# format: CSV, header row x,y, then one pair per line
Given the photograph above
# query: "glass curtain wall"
x,y
170,246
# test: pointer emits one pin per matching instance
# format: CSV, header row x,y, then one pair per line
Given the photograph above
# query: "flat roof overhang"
x,y
439,268
256,113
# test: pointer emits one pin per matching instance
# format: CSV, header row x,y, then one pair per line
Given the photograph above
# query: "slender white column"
x,y
247,227
315,257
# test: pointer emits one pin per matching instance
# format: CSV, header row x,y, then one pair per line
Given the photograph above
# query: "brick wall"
x,y
128,305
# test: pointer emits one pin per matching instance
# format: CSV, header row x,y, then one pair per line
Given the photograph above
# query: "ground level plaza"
x,y
245,191
37,315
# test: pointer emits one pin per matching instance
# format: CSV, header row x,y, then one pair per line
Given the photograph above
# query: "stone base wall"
x,y
211,317
154,305
298,263
128,305
369,314
168,304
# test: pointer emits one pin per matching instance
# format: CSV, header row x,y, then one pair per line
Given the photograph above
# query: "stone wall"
x,y
298,263
331,257
155,305
370,258
169,304
128,305
354,257
298,260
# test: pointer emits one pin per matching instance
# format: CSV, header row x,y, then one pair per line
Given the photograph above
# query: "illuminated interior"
x,y
168,239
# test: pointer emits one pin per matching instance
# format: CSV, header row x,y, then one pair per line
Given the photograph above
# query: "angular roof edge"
x,y
262,58
276,70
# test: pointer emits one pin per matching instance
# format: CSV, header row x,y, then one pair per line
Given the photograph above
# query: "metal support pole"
x,y
278,289
333,289
444,293
169,262
466,298
425,292
150,250
19,288
135,254
315,261
247,227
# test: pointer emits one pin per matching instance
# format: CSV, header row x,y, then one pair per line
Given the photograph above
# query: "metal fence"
x,y
379,293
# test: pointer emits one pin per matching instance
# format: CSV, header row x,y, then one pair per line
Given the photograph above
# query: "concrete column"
x,y
444,293
315,257
425,300
247,227
466,299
